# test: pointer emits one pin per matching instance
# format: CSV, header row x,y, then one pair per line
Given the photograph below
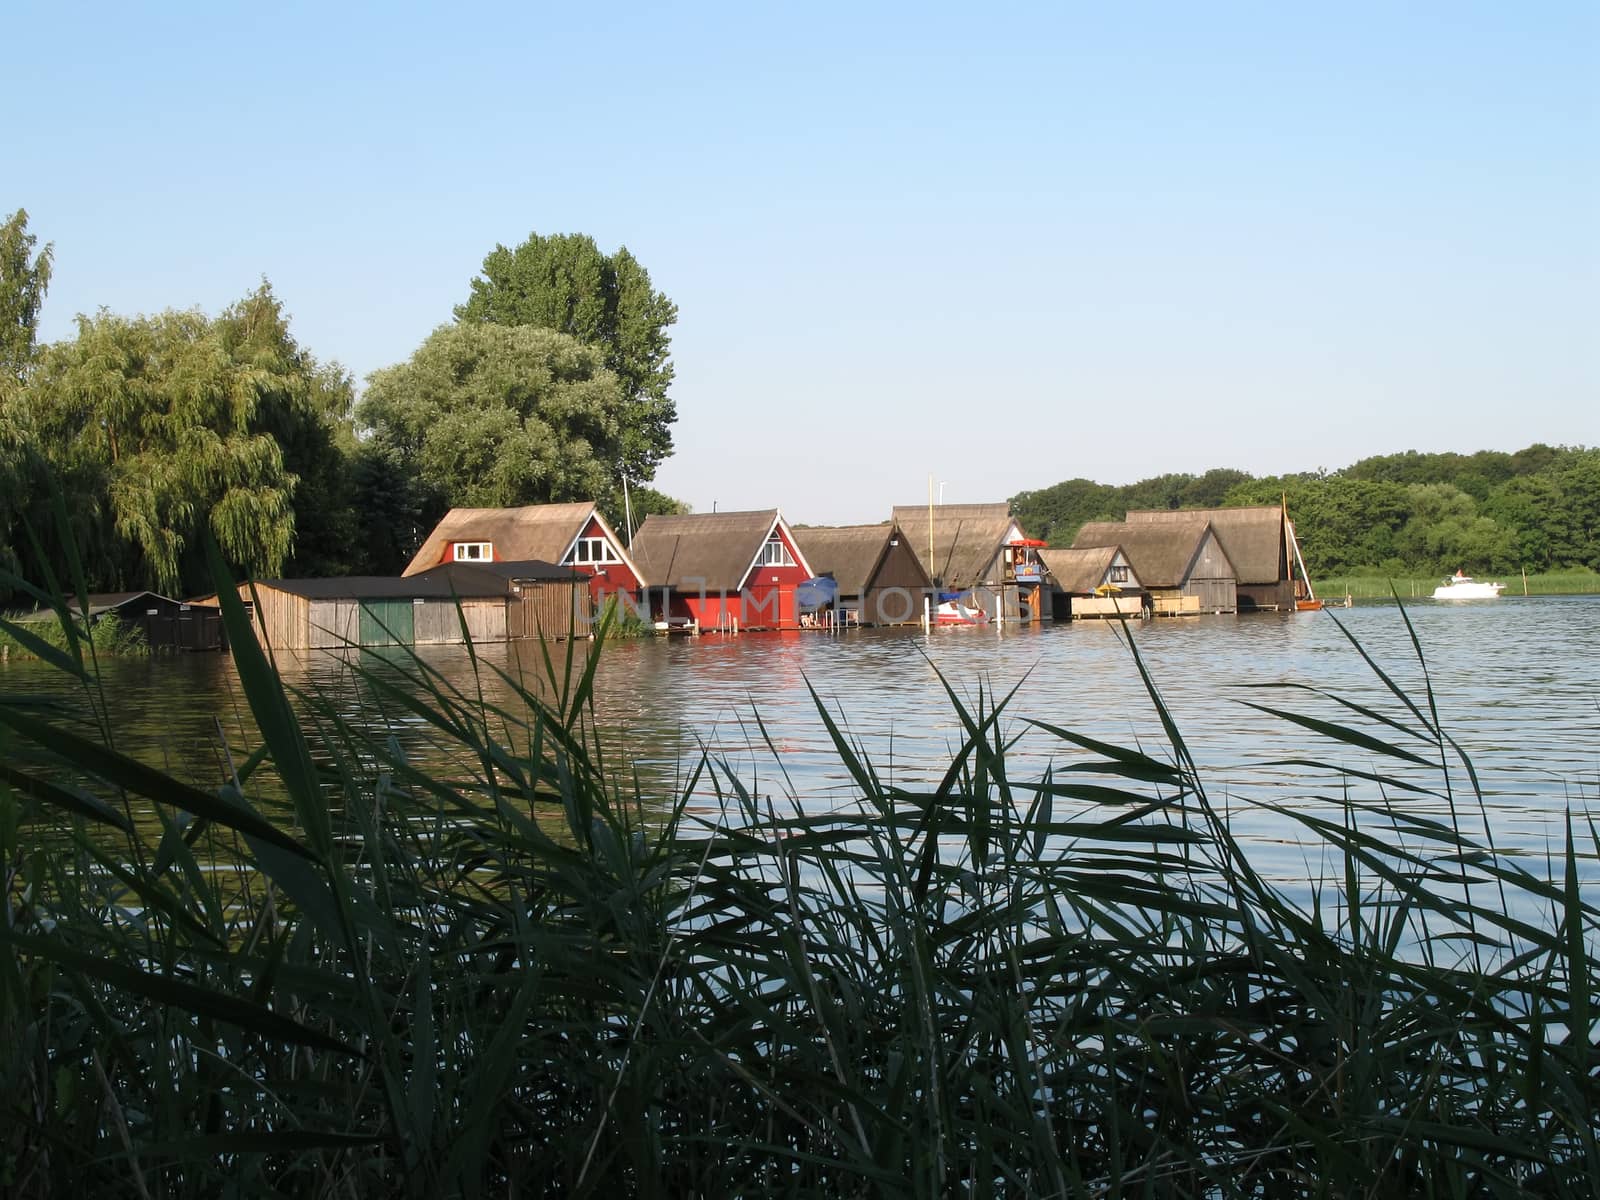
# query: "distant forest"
x,y
1536,510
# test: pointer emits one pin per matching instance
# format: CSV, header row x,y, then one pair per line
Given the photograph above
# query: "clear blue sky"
x,y
1004,248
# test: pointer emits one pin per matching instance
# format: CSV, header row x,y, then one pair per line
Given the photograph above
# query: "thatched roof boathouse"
x,y
1096,581
881,580
1255,539
1180,562
729,571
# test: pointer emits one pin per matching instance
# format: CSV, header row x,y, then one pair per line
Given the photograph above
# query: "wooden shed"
x,y
167,624
731,570
541,598
495,601
1181,563
881,580
1255,538
1096,581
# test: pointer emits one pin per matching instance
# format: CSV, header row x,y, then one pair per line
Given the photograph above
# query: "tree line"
x,y
549,383
1537,509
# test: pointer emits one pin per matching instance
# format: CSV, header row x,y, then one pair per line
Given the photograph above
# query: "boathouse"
x,y
1256,540
976,548
1181,563
1095,581
494,602
570,535
727,571
880,578
167,624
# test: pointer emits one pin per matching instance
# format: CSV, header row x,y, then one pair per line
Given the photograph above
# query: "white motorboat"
x,y
957,609
1465,587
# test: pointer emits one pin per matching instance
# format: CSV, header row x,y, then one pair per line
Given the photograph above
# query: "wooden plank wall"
x,y
333,624
549,610
282,618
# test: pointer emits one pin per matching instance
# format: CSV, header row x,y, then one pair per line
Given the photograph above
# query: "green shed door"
x,y
396,615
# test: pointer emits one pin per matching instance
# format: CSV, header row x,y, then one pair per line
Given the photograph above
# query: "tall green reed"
x,y
337,973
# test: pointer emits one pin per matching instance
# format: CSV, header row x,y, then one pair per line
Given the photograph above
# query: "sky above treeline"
x,y
998,248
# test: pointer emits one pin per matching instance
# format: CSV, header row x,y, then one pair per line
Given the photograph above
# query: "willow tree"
x,y
167,425
492,415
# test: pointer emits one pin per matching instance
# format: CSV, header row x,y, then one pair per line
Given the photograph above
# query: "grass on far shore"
x,y
1376,587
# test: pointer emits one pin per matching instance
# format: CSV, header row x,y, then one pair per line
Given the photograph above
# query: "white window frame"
x,y
783,557
596,551
460,552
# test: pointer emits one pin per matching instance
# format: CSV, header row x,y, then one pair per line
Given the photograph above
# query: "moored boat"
x,y
956,609
1461,586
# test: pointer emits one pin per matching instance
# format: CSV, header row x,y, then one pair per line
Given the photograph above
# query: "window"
x,y
473,551
775,554
593,550
1117,575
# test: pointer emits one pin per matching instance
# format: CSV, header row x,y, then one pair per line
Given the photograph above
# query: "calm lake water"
x,y
1516,682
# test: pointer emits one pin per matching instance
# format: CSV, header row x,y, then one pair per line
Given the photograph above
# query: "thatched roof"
x,y
849,553
966,539
1252,537
703,551
1080,571
1160,552
534,532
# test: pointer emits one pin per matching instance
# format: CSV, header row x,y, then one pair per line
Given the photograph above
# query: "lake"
x,y
1516,682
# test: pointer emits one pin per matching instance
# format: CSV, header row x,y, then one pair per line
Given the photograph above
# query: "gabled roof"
x,y
966,539
1160,552
709,551
849,553
1251,536
532,533
1080,570
101,603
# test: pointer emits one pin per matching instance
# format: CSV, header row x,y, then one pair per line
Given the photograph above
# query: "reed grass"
x,y
336,974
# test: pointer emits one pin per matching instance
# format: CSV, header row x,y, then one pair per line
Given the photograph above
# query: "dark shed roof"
x,y
435,586
1252,536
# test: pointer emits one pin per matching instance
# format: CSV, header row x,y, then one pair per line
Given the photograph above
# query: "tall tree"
x,y
565,283
24,279
490,415
163,426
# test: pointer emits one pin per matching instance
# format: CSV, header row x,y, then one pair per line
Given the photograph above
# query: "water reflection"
x,y
1515,683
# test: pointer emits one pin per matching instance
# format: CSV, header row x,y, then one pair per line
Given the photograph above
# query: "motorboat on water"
x,y
956,609
1464,587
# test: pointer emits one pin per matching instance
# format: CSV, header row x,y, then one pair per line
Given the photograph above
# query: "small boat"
x,y
1464,587
955,610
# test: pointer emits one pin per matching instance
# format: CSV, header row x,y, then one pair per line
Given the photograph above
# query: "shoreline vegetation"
x,y
531,978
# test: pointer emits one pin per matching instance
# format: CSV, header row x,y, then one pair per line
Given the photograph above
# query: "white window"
x,y
593,550
473,551
775,554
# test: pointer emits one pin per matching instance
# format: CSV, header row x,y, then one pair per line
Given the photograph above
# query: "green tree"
x,y
24,279
1055,514
162,426
565,283
486,415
